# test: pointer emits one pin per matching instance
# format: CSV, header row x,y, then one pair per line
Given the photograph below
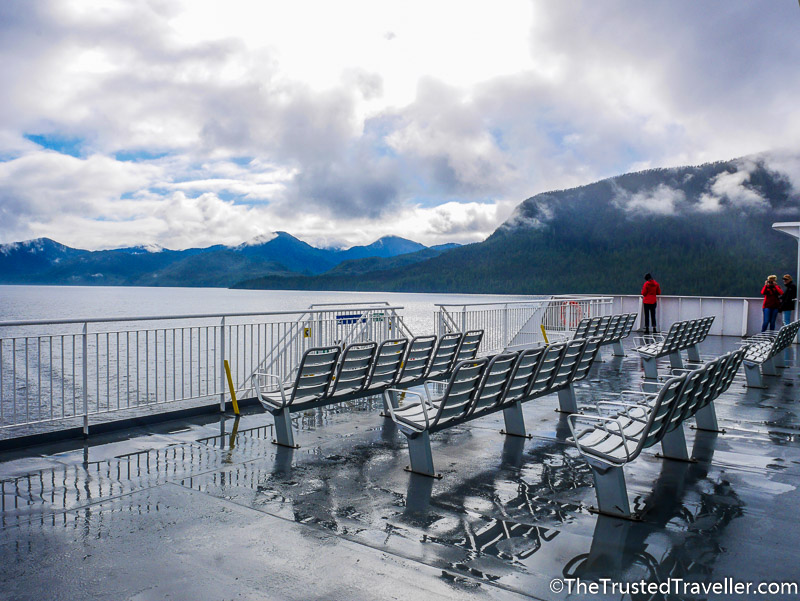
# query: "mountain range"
x,y
44,261
700,230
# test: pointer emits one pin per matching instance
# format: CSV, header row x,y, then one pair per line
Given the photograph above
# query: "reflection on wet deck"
x,y
509,515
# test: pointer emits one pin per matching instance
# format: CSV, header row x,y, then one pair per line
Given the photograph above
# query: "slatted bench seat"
x,y
479,387
683,335
610,441
764,353
612,328
329,375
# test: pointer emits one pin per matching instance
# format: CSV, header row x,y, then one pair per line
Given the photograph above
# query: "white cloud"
x,y
342,121
662,200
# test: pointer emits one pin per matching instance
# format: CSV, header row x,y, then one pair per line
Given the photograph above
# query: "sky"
x,y
188,123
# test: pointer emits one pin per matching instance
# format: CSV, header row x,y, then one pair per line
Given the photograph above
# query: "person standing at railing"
x,y
650,292
772,302
788,298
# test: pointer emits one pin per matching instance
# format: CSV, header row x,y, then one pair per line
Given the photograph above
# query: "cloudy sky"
x,y
191,123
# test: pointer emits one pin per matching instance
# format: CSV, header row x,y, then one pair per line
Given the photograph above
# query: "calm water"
x,y
84,302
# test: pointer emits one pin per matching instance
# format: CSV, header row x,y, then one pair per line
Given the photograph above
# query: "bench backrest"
x,y
525,368
658,419
354,367
419,353
582,331
314,373
546,370
731,369
570,361
469,345
729,364
491,391
602,327
444,356
614,328
628,327
690,394
387,363
674,337
459,392
587,358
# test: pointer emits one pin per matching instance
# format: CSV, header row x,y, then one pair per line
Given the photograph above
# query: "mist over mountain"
x,y
703,230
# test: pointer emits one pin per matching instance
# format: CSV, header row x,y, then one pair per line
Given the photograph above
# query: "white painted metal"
x,y
518,324
68,370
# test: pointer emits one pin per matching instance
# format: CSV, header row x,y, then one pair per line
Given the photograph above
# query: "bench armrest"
x,y
423,402
263,374
604,422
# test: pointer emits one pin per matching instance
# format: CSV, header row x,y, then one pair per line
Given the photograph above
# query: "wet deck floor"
x,y
188,511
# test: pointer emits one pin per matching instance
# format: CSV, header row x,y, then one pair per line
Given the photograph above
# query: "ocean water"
x,y
19,303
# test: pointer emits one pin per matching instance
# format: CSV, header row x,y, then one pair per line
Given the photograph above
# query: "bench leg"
x,y
616,349
612,494
515,421
283,429
779,360
768,367
673,445
753,375
706,418
389,396
419,452
694,354
675,360
650,368
566,400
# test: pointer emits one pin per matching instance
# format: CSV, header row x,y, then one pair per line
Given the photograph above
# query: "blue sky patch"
x,y
138,155
62,144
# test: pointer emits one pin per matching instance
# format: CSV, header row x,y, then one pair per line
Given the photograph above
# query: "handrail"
x,y
42,322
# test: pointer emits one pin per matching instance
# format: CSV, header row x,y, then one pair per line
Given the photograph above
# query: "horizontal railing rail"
x,y
517,324
60,371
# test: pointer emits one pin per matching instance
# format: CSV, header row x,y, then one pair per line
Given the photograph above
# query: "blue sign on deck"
x,y
342,320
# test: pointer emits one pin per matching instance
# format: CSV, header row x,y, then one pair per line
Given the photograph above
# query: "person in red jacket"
x,y
772,302
650,292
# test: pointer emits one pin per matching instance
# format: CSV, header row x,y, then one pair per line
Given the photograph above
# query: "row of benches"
x,y
683,335
609,441
764,353
328,374
484,386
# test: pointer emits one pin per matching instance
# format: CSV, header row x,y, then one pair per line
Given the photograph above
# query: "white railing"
x,y
68,370
519,323
734,316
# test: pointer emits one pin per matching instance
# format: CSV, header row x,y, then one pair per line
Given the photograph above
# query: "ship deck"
x,y
207,508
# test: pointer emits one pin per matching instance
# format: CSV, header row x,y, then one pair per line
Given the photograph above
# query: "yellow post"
x,y
544,333
230,385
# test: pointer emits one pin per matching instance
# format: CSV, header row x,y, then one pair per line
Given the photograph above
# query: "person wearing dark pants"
x,y
772,302
788,298
650,292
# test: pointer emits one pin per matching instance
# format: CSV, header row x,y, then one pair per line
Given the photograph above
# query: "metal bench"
x,y
505,381
328,375
683,335
429,413
763,353
610,441
612,328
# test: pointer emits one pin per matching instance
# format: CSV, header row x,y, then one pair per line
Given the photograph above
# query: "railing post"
x,y
222,365
505,325
85,362
745,316
464,318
